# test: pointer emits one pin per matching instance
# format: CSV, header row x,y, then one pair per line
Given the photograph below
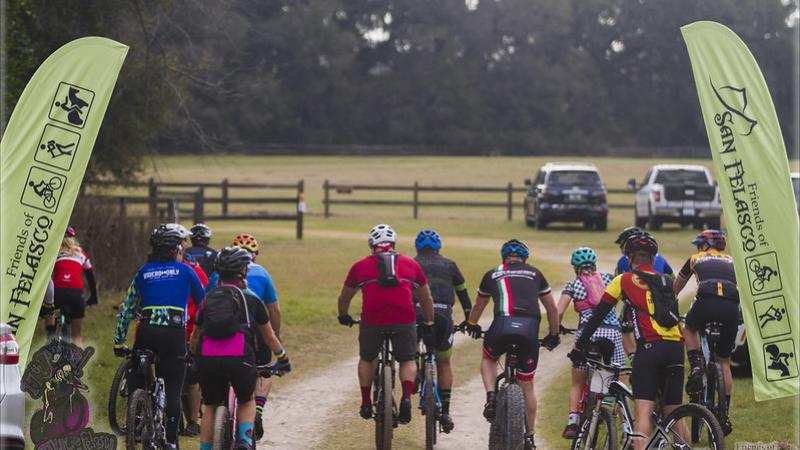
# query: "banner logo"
x,y
43,189
780,359
763,273
57,147
772,318
71,105
54,376
731,95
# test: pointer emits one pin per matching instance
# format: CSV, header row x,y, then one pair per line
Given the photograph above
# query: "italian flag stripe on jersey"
x,y
506,303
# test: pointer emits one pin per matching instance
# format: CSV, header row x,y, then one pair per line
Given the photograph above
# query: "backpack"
x,y
665,305
595,287
222,312
387,269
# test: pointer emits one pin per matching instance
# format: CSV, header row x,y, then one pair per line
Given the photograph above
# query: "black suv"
x,y
563,192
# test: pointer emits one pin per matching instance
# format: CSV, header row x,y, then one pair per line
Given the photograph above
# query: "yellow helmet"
x,y
247,242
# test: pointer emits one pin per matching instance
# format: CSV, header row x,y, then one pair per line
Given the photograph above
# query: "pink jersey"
x,y
68,272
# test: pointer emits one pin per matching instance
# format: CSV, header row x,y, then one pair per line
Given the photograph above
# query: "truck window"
x,y
539,177
574,178
681,176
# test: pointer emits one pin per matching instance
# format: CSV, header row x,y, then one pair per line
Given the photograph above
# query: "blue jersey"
x,y
160,289
661,265
258,281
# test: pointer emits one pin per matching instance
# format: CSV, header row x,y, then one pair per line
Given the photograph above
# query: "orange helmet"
x,y
247,242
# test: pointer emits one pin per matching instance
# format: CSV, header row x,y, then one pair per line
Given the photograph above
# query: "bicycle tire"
x,y
507,431
716,440
606,422
430,407
139,420
222,429
388,401
117,391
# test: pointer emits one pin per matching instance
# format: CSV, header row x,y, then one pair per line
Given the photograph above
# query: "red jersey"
x,y
68,271
191,305
386,305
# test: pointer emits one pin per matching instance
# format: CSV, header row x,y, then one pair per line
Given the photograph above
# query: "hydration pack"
x,y
665,305
223,308
387,269
595,287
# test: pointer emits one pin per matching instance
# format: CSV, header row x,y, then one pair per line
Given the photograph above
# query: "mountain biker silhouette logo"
x,y
763,273
734,99
43,189
54,376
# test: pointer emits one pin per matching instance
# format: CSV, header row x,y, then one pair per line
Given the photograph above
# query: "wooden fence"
x,y
172,201
506,193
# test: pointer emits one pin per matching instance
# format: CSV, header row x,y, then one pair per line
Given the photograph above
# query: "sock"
x,y
366,400
408,386
444,396
246,432
260,402
573,417
206,446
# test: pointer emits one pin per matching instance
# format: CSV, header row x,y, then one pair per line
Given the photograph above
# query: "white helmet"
x,y
382,234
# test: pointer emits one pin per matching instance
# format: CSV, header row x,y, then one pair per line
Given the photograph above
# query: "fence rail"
x,y
508,203
169,201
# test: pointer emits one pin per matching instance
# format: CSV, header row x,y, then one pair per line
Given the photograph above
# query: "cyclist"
x,y
388,282
659,354
159,292
200,252
192,381
72,263
444,278
516,289
717,300
585,291
626,317
226,356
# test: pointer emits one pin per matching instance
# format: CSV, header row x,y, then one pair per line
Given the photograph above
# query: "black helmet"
x,y
232,260
200,231
641,242
168,235
626,233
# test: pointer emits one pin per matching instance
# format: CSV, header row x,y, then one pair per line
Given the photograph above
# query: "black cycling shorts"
x,y
658,366
70,301
404,341
443,328
506,331
722,311
219,372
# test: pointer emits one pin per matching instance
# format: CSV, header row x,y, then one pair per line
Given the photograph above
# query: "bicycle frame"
x,y
430,359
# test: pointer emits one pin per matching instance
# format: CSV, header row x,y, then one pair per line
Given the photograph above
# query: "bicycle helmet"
x,y
232,259
583,255
200,231
429,239
714,238
514,247
70,232
641,242
381,234
168,235
247,242
626,233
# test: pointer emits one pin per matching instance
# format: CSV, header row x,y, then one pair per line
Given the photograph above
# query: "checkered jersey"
x,y
577,291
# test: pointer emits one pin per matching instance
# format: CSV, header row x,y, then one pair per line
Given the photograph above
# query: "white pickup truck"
x,y
685,194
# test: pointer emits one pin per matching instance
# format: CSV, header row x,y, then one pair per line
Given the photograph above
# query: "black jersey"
x,y
204,256
443,275
715,274
515,288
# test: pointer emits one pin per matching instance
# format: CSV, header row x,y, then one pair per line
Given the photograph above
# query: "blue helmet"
x,y
583,255
514,247
429,239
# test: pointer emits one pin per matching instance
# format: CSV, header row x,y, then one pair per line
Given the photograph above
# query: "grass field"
x,y
309,273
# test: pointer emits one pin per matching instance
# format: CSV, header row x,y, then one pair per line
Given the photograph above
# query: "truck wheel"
x,y
602,224
713,224
540,223
697,224
653,222
588,225
640,222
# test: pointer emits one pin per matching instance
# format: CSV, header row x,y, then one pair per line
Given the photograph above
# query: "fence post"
x,y
416,199
510,200
301,207
172,211
326,199
123,209
198,205
152,196
224,189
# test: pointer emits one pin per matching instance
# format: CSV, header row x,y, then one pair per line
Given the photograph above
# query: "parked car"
x,y
12,399
565,192
684,194
796,187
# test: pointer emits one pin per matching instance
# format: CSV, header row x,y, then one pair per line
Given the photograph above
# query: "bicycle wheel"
x,y
388,406
429,405
710,435
118,398
223,439
603,437
140,432
508,427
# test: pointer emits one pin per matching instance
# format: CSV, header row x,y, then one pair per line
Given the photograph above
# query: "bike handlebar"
x,y
595,364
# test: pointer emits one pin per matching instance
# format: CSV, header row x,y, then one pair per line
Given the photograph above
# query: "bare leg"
x,y
245,411
530,403
445,372
725,363
408,371
194,401
207,423
642,425
628,342
488,373
691,339
366,372
578,382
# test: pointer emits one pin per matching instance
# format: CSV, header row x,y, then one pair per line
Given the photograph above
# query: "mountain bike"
x,y
597,427
430,403
145,421
712,395
383,394
665,436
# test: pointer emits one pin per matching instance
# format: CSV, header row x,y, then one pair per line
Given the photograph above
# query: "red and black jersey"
x,y
69,268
